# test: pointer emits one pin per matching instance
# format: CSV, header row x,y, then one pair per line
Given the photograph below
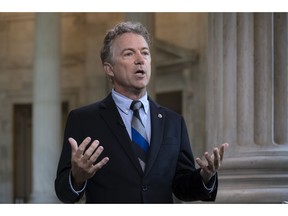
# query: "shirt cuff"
x,y
71,186
210,186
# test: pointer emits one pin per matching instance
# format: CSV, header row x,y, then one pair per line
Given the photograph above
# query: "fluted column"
x,y
281,78
46,107
229,78
263,78
148,20
214,81
246,87
245,79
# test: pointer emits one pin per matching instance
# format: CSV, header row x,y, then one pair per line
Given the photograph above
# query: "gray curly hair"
x,y
118,30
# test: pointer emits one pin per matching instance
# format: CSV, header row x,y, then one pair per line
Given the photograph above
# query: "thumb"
x,y
73,144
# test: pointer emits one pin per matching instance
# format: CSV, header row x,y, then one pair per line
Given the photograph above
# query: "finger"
x,y
96,154
217,158
222,149
82,146
201,163
205,170
210,165
89,151
73,144
102,163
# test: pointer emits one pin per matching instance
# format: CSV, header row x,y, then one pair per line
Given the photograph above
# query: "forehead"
x,y
130,40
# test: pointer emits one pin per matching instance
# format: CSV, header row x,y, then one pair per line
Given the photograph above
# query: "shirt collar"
x,y
124,103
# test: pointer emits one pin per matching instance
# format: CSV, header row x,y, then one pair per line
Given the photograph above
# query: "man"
x,y
100,153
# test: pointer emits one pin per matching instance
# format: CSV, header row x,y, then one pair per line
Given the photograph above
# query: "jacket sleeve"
x,y
188,184
63,188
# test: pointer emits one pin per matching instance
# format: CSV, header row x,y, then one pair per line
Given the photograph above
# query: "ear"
x,y
108,68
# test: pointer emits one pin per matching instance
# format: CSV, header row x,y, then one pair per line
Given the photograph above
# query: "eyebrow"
x,y
132,49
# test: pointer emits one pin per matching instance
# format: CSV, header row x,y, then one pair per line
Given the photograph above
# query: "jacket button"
x,y
144,187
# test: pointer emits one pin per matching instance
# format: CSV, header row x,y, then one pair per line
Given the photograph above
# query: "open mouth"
x,y
141,72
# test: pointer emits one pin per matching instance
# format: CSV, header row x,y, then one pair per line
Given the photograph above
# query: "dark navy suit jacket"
x,y
170,167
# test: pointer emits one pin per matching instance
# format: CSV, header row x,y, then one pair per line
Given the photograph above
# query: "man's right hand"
x,y
83,160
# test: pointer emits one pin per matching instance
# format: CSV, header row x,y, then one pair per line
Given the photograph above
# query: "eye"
x,y
128,53
146,53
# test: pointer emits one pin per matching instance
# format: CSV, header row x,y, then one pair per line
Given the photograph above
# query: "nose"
x,y
139,59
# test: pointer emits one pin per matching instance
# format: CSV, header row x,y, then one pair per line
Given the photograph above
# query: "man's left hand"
x,y
212,163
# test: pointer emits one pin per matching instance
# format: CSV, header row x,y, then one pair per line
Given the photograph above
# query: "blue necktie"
x,y
140,142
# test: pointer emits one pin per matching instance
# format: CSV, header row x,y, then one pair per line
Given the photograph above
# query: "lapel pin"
x,y
159,115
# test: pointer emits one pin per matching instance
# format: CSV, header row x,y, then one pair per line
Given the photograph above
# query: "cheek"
x,y
123,74
149,71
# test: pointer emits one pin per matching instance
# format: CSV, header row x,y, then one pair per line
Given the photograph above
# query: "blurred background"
x,y
226,73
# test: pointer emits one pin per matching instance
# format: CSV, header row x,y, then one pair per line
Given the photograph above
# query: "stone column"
x,y
245,79
46,107
148,20
247,104
214,104
229,106
97,84
263,99
281,78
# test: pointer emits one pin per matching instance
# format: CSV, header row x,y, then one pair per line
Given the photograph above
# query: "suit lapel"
x,y
113,119
157,127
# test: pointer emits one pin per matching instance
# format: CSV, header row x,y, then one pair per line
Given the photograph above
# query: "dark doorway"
x,y
172,100
22,152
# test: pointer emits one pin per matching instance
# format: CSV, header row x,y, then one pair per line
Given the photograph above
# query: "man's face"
x,y
131,66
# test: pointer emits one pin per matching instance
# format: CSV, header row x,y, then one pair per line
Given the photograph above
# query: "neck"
x,y
133,95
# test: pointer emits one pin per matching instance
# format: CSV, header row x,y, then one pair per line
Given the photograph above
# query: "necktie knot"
x,y
136,105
